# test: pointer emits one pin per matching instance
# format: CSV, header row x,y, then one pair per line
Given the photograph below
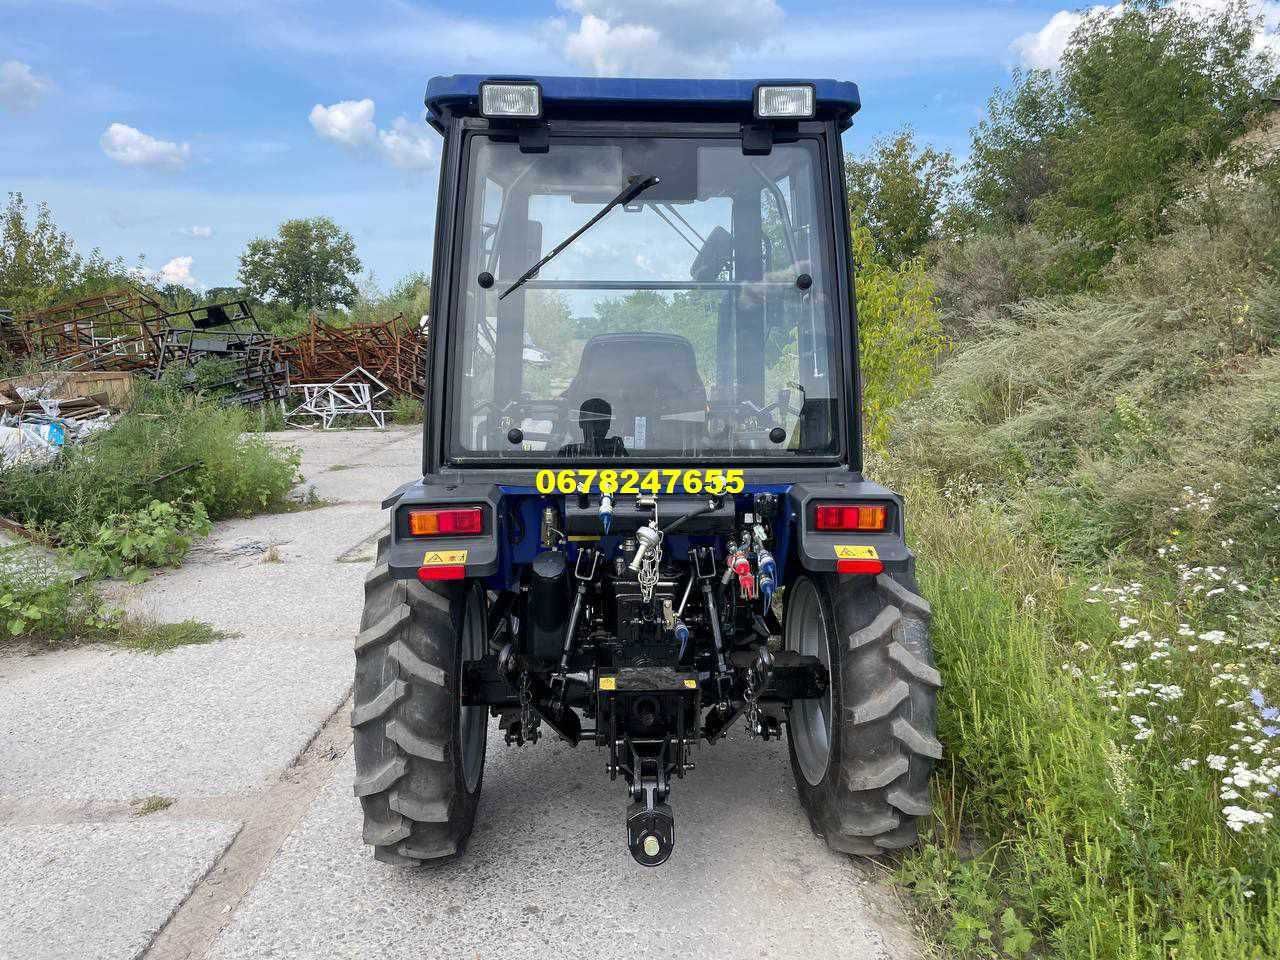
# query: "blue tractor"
x,y
642,521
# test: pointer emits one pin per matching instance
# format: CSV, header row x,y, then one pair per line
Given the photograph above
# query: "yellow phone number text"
x,y
637,481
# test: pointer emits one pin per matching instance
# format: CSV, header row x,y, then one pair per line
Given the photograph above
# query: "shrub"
x,y
984,271
41,604
899,334
125,544
171,447
406,409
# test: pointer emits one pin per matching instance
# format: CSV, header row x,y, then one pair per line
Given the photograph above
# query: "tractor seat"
x,y
651,384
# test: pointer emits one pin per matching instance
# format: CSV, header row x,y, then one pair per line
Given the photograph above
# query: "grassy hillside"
x,y
1094,489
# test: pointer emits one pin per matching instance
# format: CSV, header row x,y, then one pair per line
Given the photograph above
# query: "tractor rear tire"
x,y
866,794
419,753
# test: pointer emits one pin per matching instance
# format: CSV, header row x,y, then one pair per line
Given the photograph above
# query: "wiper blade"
x,y
633,188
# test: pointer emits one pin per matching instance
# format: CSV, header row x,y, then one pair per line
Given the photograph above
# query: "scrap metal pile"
x,y
394,353
11,341
220,348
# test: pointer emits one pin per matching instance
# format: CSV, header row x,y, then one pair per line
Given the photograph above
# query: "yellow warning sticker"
x,y
855,551
608,683
691,684
444,558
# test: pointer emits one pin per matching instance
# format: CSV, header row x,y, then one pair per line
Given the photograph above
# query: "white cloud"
x,y
351,123
1042,49
20,89
348,122
407,146
133,148
178,270
201,233
664,37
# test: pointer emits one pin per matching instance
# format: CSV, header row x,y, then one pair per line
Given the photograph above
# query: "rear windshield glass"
x,y
692,321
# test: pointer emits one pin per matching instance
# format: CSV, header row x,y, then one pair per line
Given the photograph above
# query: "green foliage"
x,y
38,261
898,191
42,604
1012,158
1126,438
1063,831
1100,150
899,334
410,297
1152,92
985,270
406,409
172,447
126,544
309,265
1103,410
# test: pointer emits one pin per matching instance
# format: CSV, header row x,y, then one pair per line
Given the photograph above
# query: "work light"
x,y
791,102
521,101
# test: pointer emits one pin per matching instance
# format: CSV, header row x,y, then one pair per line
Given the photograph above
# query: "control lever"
x,y
704,565
584,571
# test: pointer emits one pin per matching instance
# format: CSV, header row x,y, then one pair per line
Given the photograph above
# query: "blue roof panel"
x,y
630,98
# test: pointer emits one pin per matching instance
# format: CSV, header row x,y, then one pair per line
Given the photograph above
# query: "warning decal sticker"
x,y
855,551
444,558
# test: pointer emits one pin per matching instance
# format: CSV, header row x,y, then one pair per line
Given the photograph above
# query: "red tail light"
x,y
859,566
452,571
847,517
449,522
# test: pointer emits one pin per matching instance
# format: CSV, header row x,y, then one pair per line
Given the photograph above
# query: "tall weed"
x,y
169,447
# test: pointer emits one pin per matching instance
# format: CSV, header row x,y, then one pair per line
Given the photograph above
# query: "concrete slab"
x,y
547,875
197,721
110,725
98,890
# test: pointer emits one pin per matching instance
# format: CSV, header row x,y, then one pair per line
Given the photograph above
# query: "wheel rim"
x,y
810,720
473,720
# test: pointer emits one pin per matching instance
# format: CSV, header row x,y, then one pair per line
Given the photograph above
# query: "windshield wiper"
x,y
633,188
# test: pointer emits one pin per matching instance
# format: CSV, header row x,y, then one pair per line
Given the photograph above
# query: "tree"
x,y
309,265
900,334
37,260
1013,147
1099,150
1153,92
39,264
899,190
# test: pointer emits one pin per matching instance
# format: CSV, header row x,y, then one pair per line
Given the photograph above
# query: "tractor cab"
x,y
660,250
642,521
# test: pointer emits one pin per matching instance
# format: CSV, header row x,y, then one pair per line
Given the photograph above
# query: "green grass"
x,y
1060,830
151,637
146,806
1093,490
171,447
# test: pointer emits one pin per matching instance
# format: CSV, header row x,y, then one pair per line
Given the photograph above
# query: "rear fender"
x,y
816,551
480,554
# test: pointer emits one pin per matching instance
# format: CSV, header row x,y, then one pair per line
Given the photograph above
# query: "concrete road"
x,y
198,804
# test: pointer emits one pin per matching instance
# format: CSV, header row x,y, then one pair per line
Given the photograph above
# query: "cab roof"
x,y
617,98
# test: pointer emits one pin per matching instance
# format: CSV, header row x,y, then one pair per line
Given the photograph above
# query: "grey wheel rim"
x,y
806,633
473,720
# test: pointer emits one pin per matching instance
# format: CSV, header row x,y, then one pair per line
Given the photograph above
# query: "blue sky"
x,y
176,129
